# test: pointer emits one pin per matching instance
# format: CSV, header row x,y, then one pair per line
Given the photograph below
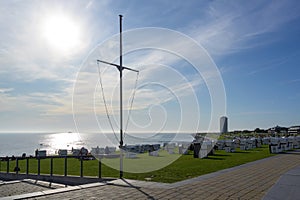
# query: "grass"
x,y
188,167
184,167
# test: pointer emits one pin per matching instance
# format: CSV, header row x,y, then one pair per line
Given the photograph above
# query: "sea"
x,y
18,143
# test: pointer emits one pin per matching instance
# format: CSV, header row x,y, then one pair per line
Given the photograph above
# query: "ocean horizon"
x,y
18,143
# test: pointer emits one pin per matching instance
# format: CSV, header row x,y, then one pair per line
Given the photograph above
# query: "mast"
x,y
121,102
120,67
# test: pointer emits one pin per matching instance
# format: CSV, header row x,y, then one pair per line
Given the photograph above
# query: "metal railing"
x,y
16,170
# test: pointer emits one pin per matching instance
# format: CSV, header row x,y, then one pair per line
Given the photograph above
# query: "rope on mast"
x,y
131,103
104,101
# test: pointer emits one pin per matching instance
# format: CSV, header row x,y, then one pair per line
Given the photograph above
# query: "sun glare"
x,y
61,32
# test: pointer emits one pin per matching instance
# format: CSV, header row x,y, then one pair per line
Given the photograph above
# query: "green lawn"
x,y
183,168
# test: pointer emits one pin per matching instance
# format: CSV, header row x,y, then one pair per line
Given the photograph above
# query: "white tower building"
x,y
223,124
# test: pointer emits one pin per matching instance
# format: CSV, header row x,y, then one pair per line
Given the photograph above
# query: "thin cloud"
x,y
233,27
271,64
256,113
5,90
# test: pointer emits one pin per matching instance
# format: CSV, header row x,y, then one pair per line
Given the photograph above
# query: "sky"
x,y
49,78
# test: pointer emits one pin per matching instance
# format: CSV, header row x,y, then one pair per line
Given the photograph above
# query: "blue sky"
x,y
254,44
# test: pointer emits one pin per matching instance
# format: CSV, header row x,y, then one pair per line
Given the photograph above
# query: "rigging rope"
x,y
131,103
105,104
104,101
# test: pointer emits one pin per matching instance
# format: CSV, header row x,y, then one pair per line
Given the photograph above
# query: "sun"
x,y
61,32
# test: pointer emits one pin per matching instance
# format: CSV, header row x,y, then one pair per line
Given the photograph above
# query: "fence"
x,y
7,173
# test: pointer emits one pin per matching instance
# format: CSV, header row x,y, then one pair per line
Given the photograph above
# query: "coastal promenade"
x,y
276,177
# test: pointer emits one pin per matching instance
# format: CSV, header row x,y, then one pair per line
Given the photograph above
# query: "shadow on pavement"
x,y
138,188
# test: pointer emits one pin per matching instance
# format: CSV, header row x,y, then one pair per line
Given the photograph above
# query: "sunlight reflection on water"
x,y
56,141
18,143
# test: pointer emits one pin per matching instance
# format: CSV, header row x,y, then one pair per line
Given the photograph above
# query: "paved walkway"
x,y
287,187
12,188
250,181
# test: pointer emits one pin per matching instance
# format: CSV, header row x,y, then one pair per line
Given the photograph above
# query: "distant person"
x,y
106,150
23,155
36,153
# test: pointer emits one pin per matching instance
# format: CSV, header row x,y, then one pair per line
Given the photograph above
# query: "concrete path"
x,y
287,187
255,180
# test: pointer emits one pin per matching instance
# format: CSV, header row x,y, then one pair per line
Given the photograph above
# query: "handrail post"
x,y
27,166
99,169
81,167
17,166
66,166
7,166
51,167
39,166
